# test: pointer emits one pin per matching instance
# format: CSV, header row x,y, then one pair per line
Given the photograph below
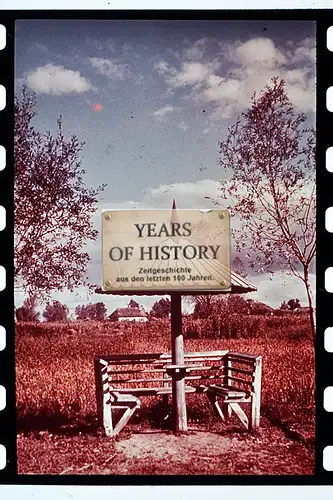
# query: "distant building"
x,y
129,314
303,310
260,308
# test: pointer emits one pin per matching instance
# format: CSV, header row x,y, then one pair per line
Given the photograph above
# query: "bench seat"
x,y
230,392
151,391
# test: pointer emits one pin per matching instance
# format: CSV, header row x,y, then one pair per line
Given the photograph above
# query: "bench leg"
x,y
240,414
165,406
216,407
226,410
255,403
124,419
165,401
255,414
103,398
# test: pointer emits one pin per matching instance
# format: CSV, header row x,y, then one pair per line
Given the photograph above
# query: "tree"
x,y
56,311
270,156
218,306
237,304
96,312
133,304
27,312
100,311
293,304
161,308
284,306
53,207
204,305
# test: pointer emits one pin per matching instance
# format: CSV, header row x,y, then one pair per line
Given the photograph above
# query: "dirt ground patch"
x,y
150,452
165,446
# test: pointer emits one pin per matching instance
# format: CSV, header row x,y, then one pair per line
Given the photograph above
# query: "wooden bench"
x,y
227,378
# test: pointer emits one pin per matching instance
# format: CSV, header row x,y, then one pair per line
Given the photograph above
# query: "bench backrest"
x,y
211,367
150,370
242,371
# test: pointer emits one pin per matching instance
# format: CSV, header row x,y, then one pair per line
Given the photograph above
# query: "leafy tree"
x,y
56,311
133,304
161,308
27,312
218,306
284,306
294,304
53,207
100,311
96,312
270,156
204,305
81,312
237,304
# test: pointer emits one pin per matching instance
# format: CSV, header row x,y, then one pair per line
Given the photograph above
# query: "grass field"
x,y
55,379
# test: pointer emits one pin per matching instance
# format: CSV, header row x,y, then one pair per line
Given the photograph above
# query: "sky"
x,y
151,99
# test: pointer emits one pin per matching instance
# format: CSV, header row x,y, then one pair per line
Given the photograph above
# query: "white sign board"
x,y
166,250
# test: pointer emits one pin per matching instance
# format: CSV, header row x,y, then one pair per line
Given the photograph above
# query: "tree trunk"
x,y
311,308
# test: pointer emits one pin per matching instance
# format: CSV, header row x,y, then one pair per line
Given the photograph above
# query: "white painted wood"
x,y
178,381
103,399
226,410
216,407
165,398
256,397
123,420
110,395
240,414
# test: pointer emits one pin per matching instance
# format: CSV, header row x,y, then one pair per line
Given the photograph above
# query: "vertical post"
x,y
255,404
177,350
104,410
165,397
226,409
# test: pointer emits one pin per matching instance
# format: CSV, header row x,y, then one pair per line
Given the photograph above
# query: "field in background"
x,y
55,379
290,326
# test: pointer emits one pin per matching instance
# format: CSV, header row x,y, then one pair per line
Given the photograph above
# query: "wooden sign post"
x,y
177,353
147,252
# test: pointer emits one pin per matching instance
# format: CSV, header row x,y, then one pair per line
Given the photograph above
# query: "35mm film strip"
x,y
215,109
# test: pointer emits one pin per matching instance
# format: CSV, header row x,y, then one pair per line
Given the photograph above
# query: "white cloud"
x,y
197,50
187,194
56,80
306,52
190,74
109,68
260,52
251,65
105,44
183,126
160,113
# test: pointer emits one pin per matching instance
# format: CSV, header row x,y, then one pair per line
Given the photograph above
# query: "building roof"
x,y
261,306
240,284
128,312
302,309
